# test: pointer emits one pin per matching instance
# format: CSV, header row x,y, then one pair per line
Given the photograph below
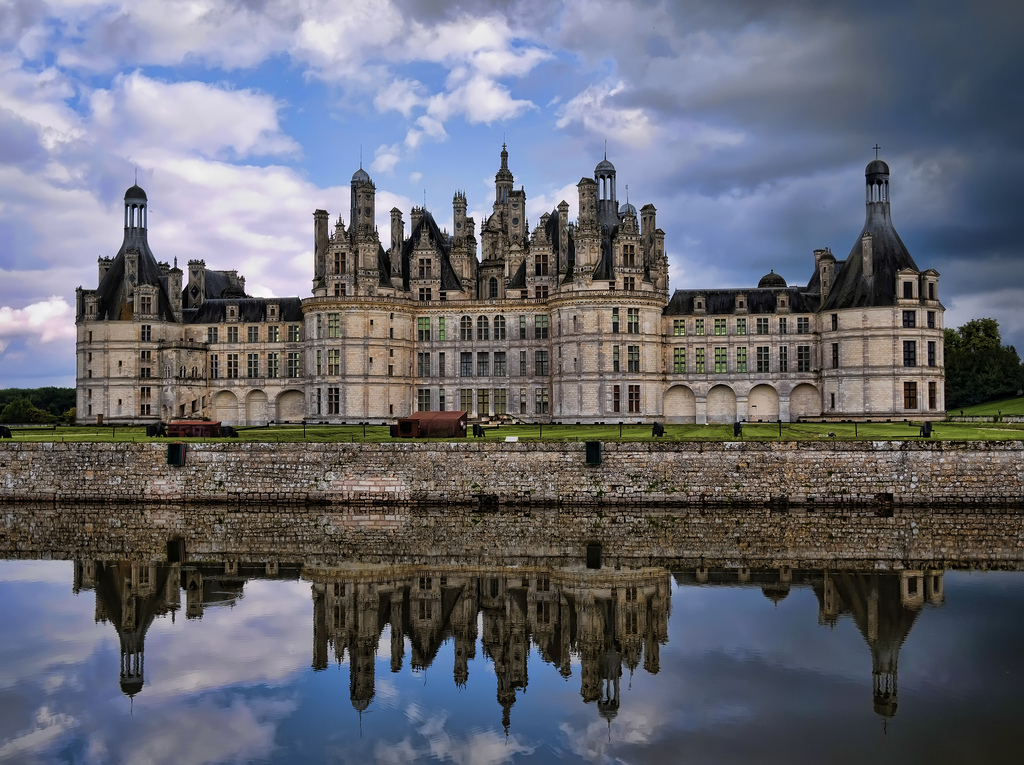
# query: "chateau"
x,y
568,321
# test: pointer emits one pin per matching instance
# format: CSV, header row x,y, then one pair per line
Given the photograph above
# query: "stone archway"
x,y
291,406
257,411
680,405
721,405
804,401
225,407
763,404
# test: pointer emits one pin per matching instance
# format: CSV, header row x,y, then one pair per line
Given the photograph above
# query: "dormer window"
x,y
908,290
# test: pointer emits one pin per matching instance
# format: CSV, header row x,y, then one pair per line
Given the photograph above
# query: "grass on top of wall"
x,y
1007,407
876,431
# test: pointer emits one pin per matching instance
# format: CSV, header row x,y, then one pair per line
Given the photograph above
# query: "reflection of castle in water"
x,y
606,620
131,594
883,605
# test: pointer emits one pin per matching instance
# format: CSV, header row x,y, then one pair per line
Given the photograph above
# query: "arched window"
x,y
499,327
493,288
483,328
466,328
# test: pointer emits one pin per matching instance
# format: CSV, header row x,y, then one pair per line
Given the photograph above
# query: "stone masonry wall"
x,y
495,473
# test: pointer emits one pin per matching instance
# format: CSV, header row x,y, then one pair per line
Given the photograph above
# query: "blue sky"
x,y
747,124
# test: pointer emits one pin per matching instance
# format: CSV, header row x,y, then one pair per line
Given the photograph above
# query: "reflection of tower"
x,y
463,624
362,655
397,628
131,595
885,606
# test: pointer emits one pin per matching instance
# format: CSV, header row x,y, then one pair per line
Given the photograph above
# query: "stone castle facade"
x,y
568,321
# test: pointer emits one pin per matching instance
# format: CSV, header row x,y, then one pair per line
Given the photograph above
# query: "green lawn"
x,y
878,431
1008,406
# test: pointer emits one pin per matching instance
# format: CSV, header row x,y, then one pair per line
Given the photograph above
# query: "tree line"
x,y
23,406
979,367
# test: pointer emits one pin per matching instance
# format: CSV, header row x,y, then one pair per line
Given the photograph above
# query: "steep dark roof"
x,y
851,289
384,268
724,301
449,279
605,269
518,280
567,258
114,294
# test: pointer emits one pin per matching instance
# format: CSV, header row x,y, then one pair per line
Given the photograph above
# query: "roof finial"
x,y
876,147
627,193
606,148
136,175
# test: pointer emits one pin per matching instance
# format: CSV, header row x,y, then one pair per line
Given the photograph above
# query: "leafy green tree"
x,y
979,367
56,401
22,411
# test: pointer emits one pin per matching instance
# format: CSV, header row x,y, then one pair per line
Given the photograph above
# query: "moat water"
x,y
230,660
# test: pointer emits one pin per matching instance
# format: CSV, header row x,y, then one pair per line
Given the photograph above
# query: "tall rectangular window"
x,y
741,326
909,319
634,399
423,329
483,402
933,394
252,333
615,358
483,328
500,400
211,334
466,364
273,365
145,333
835,322
499,328
908,290
633,321
633,358
541,363
440,328
540,397
616,398
253,363
423,400
721,326
294,364
678,360
441,372
232,366
273,334
741,359
762,325
803,325
931,319
763,359
783,326
678,327
540,327
615,320
910,395
333,361
293,333
784,358
441,402
483,364
910,353
522,327
698,361
232,334
334,325
721,360
500,369
423,365
465,329
319,364
698,326
466,399
523,371
803,358
931,353
334,401
522,401
835,355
